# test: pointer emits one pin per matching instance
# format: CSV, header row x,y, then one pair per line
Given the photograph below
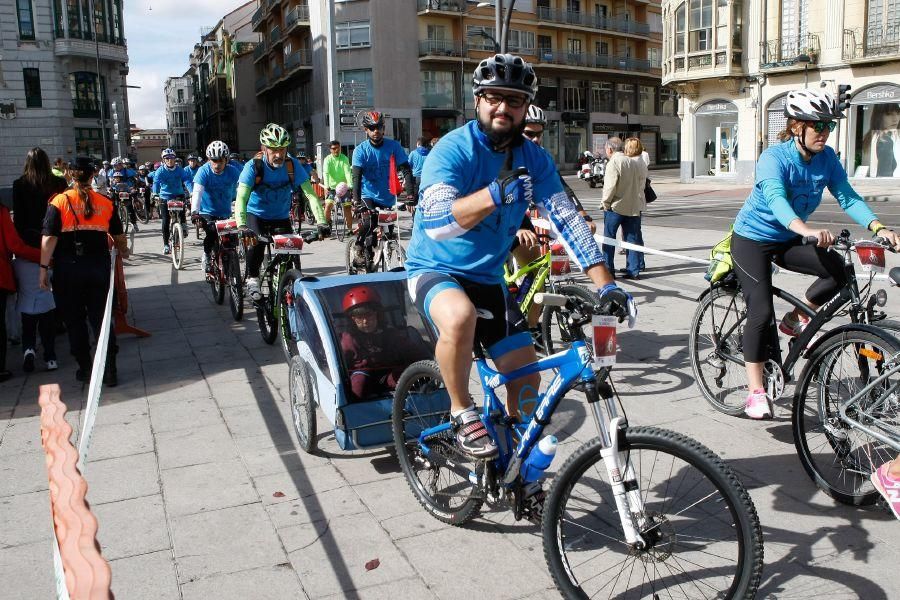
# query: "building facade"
x,y
733,62
148,144
181,126
61,72
598,64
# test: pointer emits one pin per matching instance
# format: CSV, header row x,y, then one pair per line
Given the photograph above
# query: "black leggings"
x,y
367,215
208,223
45,324
753,266
263,227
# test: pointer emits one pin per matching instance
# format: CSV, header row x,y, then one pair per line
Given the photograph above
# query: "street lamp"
x,y
627,127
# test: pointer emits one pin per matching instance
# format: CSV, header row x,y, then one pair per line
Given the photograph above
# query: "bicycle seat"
x,y
287,243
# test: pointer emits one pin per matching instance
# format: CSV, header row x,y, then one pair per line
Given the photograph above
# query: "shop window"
x,y
668,147
625,97
647,100
668,102
438,90
574,95
548,93
877,140
550,141
32,80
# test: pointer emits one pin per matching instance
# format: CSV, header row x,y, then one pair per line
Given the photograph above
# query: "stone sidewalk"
x,y
202,493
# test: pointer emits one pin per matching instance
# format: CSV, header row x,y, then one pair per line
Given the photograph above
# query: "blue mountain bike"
x,y
636,512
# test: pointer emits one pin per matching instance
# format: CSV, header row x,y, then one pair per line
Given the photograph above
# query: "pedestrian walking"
x,y
623,201
31,195
75,235
10,243
634,150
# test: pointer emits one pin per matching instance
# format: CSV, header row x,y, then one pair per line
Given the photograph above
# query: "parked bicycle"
x,y
846,414
635,511
716,336
387,253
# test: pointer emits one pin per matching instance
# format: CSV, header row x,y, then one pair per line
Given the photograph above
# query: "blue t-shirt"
x,y
271,199
218,190
788,188
417,160
376,166
191,173
169,183
465,161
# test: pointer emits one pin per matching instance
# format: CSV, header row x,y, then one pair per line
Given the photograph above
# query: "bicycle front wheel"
x,y
553,322
123,216
177,244
338,224
701,529
265,307
285,305
232,265
140,209
421,402
715,346
216,278
837,456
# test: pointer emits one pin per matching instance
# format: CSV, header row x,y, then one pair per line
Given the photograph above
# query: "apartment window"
x,y
545,44
548,93
352,34
701,25
100,21
668,102
180,96
437,32
625,97
477,41
521,41
573,46
722,13
653,55
601,48
600,11
32,79
360,76
602,97
73,8
574,95
680,24
646,100
438,89
85,94
26,19
573,5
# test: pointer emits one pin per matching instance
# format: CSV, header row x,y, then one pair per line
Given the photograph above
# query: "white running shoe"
x,y
253,288
52,365
758,405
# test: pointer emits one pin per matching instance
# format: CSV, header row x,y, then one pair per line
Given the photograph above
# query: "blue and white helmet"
x,y
217,150
167,153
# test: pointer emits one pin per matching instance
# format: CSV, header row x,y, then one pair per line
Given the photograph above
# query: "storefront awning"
x,y
877,94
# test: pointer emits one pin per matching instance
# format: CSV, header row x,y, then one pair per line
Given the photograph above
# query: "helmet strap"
x,y
802,140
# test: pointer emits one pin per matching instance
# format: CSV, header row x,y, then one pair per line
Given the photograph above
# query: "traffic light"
x,y
843,97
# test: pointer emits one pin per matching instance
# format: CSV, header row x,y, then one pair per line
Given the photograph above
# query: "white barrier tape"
x,y
93,401
62,592
544,224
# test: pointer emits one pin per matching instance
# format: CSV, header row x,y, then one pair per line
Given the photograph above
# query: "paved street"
x,y
201,492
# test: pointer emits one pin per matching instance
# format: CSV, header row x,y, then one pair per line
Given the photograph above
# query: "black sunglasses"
x,y
374,127
819,126
532,134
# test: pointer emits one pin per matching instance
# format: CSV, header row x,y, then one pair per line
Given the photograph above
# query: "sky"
x,y
161,35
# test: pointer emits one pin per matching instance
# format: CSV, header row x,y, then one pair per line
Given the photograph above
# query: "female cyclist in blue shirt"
x,y
770,227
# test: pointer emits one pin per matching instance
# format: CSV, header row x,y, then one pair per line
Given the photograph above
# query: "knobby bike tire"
x,y
123,216
177,244
265,307
232,266
303,404
348,257
285,305
141,210
216,279
579,515
421,382
838,457
550,315
722,381
338,223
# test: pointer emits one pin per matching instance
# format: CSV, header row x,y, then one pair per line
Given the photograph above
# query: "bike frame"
x,y
541,269
890,440
575,364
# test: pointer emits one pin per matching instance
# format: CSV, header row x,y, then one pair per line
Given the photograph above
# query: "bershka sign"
x,y
877,94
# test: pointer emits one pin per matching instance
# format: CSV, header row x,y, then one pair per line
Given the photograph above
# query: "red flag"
x,y
393,181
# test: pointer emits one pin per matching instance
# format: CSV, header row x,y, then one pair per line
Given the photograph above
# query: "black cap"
x,y
83,163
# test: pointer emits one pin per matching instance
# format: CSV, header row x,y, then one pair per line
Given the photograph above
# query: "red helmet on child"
x,y
359,296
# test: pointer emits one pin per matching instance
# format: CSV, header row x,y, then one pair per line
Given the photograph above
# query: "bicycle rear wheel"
x,y
216,278
232,266
420,402
265,307
837,456
351,268
177,243
715,345
140,209
702,530
553,323
338,224
123,215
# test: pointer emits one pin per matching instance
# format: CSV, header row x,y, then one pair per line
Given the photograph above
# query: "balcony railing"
x,y
274,35
444,5
441,48
594,61
88,109
296,59
75,46
257,18
59,32
261,50
299,15
583,19
277,72
261,82
877,41
784,52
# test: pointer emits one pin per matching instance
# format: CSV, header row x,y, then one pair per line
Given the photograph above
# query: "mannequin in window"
x,y
881,146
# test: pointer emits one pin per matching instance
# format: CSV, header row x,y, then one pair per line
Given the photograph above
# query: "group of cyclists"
x,y
473,192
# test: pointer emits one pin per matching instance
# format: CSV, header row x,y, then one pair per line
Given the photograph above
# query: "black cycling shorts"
x,y
500,327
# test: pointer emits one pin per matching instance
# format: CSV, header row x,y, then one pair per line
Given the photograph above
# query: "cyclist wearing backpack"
x,y
265,192
770,227
371,177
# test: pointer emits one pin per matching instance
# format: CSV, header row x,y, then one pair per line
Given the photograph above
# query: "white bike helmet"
x,y
167,153
811,105
535,115
217,150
